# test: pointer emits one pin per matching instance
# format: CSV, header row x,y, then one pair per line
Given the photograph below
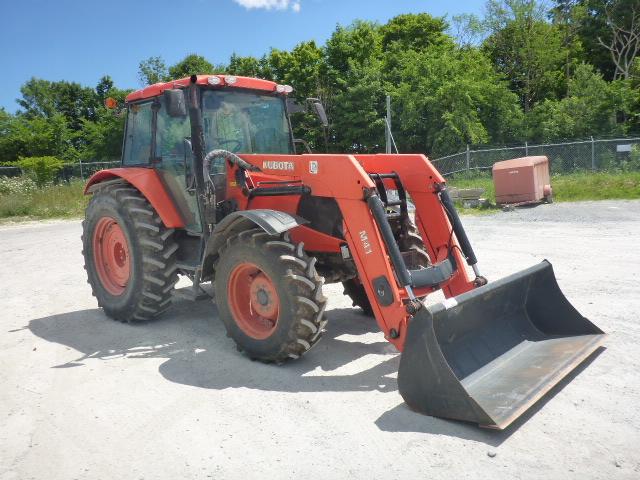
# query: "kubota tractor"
x,y
211,188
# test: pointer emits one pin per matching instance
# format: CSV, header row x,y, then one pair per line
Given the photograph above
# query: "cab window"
x,y
137,147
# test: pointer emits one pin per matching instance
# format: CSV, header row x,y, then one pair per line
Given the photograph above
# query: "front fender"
x,y
273,222
147,181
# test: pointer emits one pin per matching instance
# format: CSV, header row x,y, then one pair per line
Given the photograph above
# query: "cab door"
x,y
173,159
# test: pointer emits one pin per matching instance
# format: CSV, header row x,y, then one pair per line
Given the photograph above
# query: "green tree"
x,y
592,107
38,136
526,50
43,98
358,113
450,98
190,65
414,32
101,138
152,70
246,66
357,44
468,29
103,88
610,33
303,68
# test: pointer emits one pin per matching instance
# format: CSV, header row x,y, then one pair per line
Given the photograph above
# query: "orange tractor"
x,y
211,188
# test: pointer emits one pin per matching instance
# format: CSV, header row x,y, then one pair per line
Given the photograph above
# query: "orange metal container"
x,y
522,180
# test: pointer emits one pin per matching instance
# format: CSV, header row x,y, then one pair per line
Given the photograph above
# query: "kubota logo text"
x,y
271,165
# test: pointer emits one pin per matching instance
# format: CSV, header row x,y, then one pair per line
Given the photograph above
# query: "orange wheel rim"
x,y
253,300
111,256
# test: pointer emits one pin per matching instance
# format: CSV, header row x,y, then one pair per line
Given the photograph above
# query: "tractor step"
x,y
191,294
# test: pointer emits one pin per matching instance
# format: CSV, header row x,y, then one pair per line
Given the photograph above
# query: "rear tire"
x,y
132,272
269,296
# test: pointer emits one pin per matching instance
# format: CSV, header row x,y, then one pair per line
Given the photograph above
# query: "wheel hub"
x,y
253,300
262,295
111,255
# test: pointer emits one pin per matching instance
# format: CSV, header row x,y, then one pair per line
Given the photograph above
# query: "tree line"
x,y
523,71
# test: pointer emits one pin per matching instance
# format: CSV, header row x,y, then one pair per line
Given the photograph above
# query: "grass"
x,y
596,186
22,201
571,187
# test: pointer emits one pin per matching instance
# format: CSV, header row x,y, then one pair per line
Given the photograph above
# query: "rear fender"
x,y
273,222
147,181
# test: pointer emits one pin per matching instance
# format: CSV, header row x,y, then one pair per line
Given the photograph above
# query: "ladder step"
x,y
383,175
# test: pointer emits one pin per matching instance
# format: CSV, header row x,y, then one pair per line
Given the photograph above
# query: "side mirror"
x,y
322,115
175,103
317,106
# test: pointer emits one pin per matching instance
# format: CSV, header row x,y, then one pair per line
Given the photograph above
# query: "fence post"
x,y
81,174
526,148
388,126
593,154
468,158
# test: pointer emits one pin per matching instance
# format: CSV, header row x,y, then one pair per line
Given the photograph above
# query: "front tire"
x,y
130,256
269,296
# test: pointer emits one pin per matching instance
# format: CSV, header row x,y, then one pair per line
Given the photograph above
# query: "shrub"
x,y
42,169
634,158
17,186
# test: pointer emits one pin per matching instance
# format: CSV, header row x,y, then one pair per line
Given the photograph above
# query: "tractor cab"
x,y
237,114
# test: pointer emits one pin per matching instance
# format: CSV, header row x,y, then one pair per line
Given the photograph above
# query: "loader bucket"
x,y
489,354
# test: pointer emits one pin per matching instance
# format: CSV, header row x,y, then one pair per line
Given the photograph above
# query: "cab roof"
x,y
221,81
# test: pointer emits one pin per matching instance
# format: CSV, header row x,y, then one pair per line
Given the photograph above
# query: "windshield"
x,y
245,122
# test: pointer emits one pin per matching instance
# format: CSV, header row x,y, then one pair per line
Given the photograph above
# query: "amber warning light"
x,y
110,103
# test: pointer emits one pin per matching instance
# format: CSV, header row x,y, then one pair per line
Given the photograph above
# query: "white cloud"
x,y
270,4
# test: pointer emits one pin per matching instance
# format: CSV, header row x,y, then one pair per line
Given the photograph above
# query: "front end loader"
x,y
211,188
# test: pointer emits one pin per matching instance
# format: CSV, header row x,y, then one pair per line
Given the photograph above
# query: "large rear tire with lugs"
x,y
130,256
269,296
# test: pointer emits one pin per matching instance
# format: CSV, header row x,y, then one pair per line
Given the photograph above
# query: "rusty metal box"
x,y
522,180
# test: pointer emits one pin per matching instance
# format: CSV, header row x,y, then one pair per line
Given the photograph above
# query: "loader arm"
x,y
346,178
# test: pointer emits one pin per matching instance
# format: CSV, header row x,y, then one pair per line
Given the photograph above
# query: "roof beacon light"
x,y
230,79
280,88
214,80
288,89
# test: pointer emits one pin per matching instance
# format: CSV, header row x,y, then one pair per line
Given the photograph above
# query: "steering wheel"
x,y
222,141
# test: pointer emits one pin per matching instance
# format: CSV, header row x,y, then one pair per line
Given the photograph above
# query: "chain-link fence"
x,y
80,169
600,154
566,157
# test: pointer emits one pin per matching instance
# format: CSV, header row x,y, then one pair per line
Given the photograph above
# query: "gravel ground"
x,y
84,397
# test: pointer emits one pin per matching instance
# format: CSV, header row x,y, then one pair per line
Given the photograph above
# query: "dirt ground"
x,y
84,397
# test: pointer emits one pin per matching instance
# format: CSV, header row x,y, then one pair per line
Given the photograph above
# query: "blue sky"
x,y
81,40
